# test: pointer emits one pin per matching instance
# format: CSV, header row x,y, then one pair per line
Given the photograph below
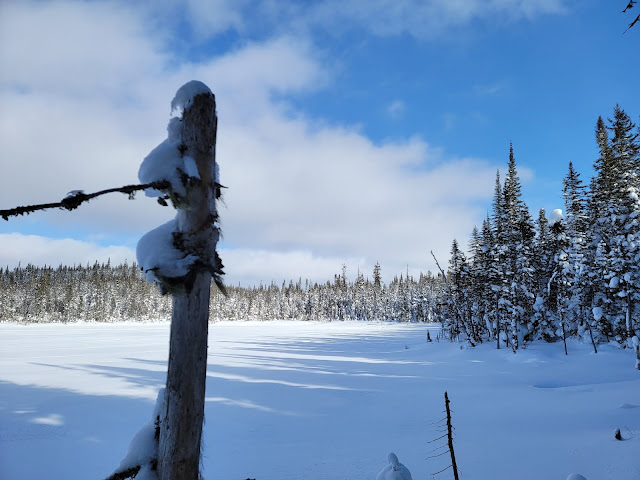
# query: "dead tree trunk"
x,y
183,411
454,466
564,334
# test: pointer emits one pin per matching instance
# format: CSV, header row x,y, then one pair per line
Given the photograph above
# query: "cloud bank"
x,y
85,89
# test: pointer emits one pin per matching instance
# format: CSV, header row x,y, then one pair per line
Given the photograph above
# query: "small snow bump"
x,y
395,470
174,130
158,257
186,94
190,167
74,193
162,164
597,313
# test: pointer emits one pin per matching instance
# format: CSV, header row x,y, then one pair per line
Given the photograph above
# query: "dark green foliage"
x,y
544,282
91,293
104,293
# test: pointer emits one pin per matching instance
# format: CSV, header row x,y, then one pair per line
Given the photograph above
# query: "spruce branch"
x,y
73,201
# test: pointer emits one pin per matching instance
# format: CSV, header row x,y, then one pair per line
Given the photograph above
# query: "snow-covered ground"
x,y
294,400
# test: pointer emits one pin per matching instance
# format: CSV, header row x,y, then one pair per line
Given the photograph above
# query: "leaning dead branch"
x,y
75,199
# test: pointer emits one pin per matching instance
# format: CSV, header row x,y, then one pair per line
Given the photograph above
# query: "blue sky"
x,y
349,132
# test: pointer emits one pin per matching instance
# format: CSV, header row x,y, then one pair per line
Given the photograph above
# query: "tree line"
x,y
570,274
520,280
107,293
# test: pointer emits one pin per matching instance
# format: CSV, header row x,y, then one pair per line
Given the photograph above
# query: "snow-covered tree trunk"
x,y
180,256
183,413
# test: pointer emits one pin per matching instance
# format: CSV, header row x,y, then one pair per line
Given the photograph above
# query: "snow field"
x,y
293,400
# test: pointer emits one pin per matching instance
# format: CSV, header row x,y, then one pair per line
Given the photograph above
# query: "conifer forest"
x,y
565,274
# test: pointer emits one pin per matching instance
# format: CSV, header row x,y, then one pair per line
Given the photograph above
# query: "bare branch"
x,y
438,448
74,201
637,19
436,439
632,24
436,473
438,455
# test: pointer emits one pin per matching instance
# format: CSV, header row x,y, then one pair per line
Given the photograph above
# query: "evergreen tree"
x,y
624,282
560,281
458,278
499,272
576,225
517,242
612,258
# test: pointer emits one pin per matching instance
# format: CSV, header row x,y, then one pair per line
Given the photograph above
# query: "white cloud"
x,y
292,186
396,109
40,251
488,90
75,48
251,266
304,196
420,18
210,17
450,120
431,18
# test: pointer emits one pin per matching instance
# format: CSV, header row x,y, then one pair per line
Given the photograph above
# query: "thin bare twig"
x,y
438,455
438,421
438,448
442,470
436,439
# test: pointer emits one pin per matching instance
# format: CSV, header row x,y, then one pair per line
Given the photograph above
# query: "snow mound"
x,y
597,313
165,162
159,258
186,93
395,470
143,448
74,193
161,253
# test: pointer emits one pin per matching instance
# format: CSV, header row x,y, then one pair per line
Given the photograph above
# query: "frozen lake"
x,y
296,400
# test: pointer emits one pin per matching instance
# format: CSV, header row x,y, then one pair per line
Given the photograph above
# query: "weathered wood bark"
x,y
183,411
